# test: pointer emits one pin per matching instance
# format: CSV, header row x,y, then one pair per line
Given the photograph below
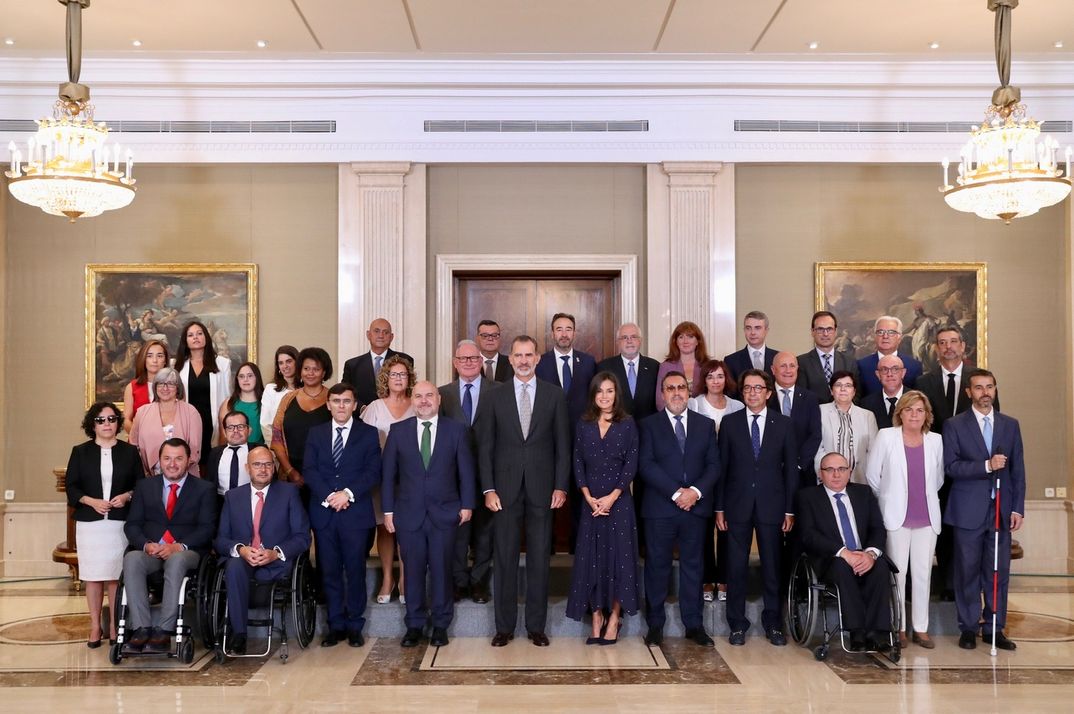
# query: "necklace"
x,y
315,395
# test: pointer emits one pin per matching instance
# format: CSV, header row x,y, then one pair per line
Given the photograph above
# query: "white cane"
x,y
995,568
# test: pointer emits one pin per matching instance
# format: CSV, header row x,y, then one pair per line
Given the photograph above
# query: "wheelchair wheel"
x,y
821,653
303,601
803,604
896,611
186,651
202,593
217,608
115,653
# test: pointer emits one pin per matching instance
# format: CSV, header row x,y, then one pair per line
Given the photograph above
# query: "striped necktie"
x,y
337,446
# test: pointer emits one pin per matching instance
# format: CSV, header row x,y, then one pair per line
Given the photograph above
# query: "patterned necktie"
x,y
950,396
680,433
828,367
758,361
786,402
844,521
256,542
426,443
233,482
755,436
631,377
566,372
337,446
490,374
986,431
891,407
377,362
525,410
169,510
468,403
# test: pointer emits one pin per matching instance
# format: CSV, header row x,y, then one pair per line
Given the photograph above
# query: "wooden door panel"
x,y
591,303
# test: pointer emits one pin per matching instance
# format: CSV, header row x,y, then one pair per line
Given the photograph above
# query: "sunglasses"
x,y
109,419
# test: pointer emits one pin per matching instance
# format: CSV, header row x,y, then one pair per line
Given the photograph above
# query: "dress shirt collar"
x,y
821,353
981,415
763,349
627,360
476,381
560,355
897,395
763,414
957,371
671,417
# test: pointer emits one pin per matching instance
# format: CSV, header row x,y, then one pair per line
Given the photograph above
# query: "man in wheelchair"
x,y
263,530
170,528
842,531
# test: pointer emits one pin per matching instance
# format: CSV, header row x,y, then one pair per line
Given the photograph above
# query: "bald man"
x,y
890,373
361,372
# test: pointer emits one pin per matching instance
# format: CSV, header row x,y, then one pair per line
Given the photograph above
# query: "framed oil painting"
x,y
925,296
130,304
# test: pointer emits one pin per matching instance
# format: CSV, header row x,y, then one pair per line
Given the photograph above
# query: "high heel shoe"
x,y
618,626
385,599
94,644
599,639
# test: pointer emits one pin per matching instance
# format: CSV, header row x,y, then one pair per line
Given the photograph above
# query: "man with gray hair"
x,y
888,332
882,403
635,372
756,354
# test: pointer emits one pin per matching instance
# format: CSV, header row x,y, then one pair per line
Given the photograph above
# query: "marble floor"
x,y
45,667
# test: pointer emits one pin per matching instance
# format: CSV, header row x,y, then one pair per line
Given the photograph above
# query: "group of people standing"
x,y
692,455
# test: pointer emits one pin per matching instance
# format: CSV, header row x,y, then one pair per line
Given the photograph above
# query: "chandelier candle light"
x,y
70,170
1004,172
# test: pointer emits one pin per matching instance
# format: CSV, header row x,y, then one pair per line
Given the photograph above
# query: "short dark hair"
x,y
710,366
840,374
342,388
592,412
95,411
318,355
768,383
978,372
236,412
672,373
823,313
174,441
483,323
523,338
559,315
951,328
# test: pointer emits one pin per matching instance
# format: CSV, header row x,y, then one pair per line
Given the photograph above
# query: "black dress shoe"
x,y
538,638
333,638
500,639
355,638
461,591
1002,643
700,637
654,637
238,644
879,641
412,637
967,640
138,639
439,637
480,593
858,641
159,641
737,638
777,638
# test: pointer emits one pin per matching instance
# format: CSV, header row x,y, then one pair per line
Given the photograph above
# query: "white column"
x,y
382,213
691,253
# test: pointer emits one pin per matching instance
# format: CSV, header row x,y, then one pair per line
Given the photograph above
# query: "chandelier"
x,y
70,170
1005,171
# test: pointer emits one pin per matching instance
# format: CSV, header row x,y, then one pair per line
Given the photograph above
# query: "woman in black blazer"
x,y
101,474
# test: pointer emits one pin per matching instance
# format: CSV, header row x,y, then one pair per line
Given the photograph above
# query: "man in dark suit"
x,y
679,462
263,529
428,490
227,462
759,462
342,466
842,530
889,373
756,354
635,372
524,447
169,527
816,367
361,372
888,332
461,400
495,367
804,411
980,447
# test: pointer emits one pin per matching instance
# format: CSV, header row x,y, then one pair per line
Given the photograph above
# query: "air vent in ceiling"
x,y
302,126
881,127
523,126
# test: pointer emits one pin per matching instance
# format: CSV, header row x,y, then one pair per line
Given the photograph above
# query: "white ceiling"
x,y
429,28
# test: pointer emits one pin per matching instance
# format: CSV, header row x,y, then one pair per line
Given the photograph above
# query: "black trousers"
x,y
865,600
507,528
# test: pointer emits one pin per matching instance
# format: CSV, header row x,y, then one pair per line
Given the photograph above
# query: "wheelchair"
x,y
807,613
194,589
293,594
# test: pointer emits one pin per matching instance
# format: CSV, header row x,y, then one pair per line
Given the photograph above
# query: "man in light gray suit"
x,y
816,367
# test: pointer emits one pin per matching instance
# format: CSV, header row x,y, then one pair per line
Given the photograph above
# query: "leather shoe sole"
x,y
500,639
538,638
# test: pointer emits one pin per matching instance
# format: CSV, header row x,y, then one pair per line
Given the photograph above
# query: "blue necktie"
x,y
986,431
631,378
844,522
755,436
566,372
377,362
468,403
680,433
786,402
337,446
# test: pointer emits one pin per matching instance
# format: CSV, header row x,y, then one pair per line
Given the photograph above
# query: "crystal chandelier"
x,y
1004,170
69,169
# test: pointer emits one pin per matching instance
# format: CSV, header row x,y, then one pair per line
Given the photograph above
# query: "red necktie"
x,y
173,496
257,519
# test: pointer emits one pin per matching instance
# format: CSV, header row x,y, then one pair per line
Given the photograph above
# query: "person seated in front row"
x,y
170,527
263,529
842,531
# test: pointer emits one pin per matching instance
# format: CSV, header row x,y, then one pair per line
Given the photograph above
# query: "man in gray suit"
x,y
463,400
524,449
816,367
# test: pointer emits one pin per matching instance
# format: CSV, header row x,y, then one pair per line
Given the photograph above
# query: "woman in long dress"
x,y
604,580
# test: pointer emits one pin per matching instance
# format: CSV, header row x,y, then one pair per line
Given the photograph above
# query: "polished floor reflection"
x,y
46,666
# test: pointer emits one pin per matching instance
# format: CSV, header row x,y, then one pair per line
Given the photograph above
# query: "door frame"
x,y
625,266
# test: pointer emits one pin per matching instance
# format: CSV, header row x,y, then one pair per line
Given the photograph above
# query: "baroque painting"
x,y
925,296
130,304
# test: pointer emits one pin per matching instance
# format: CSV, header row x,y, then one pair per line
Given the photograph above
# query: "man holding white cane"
x,y
983,459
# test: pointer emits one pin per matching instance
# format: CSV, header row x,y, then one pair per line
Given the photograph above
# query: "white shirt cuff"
x,y
697,491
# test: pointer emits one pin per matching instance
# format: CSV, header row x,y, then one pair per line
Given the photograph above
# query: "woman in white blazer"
x,y
206,379
905,471
846,428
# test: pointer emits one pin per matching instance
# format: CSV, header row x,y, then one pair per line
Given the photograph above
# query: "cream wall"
x,y
790,216
283,218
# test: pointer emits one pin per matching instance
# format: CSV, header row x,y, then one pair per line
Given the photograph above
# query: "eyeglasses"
x,y
757,388
886,333
468,360
891,370
235,427
398,375
166,385
102,419
489,335
260,465
676,388
824,330
842,385
629,338
835,469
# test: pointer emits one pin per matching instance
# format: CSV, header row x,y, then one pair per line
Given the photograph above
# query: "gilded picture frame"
x,y
925,296
128,304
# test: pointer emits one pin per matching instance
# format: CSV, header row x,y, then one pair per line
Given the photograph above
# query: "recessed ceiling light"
x,y
262,44
9,41
934,45
814,45
1058,44
136,43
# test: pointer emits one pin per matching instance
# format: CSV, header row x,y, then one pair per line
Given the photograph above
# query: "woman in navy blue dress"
x,y
604,581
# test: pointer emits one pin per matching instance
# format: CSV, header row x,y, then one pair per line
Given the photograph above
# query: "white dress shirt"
x,y
853,523
686,430
223,471
346,435
763,416
779,396
253,510
559,363
475,392
532,384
